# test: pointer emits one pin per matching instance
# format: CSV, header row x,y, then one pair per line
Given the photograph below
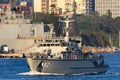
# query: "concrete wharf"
x,y
11,55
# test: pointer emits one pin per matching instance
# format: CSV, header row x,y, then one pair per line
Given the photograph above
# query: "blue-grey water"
x,y
17,69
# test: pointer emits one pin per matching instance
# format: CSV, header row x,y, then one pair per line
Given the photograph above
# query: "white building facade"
x,y
103,6
82,6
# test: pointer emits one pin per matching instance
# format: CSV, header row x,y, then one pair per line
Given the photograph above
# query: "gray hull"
x,y
85,66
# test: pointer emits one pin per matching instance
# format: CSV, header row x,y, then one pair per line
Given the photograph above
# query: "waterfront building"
x,y
60,6
24,2
48,6
19,33
81,6
45,6
103,7
4,6
25,5
37,6
90,6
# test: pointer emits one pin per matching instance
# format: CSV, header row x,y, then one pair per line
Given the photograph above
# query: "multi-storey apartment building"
x,y
57,6
90,6
37,5
25,5
104,6
45,6
27,2
82,6
4,6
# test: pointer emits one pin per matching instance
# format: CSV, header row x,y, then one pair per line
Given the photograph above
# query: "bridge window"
x,y
52,44
48,44
44,44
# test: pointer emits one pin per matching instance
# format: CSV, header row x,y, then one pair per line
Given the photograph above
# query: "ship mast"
x,y
67,21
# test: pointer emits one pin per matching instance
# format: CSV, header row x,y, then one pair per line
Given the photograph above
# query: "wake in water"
x,y
35,73
32,73
115,73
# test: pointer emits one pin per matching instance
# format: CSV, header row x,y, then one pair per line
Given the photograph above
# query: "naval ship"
x,y
63,56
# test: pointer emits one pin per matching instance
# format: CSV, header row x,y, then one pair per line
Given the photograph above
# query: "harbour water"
x,y
17,69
